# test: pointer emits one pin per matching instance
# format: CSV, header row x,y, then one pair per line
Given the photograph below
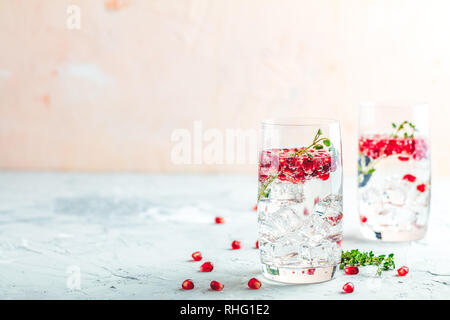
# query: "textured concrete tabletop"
x,y
130,236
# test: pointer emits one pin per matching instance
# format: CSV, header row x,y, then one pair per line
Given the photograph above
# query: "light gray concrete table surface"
x,y
131,236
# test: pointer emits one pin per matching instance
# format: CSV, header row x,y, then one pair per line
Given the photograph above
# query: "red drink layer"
x,y
378,145
287,165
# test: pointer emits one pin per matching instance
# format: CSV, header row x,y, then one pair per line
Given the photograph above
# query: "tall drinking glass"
x,y
393,171
300,199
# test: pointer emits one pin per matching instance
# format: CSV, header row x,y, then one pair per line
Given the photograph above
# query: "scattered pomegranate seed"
x,y
187,284
254,283
363,219
255,207
257,245
236,245
421,187
351,270
348,287
197,256
206,267
339,243
409,177
305,211
311,271
403,158
216,285
403,271
219,220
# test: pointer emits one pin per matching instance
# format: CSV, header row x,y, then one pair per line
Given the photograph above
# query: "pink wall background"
x,y
108,96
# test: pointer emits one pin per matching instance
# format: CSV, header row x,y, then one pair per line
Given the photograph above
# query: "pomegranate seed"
x,y
324,176
409,177
236,245
363,219
257,245
197,256
254,283
305,211
351,270
206,267
216,285
403,271
339,243
311,271
403,158
219,220
348,287
187,284
421,187
255,207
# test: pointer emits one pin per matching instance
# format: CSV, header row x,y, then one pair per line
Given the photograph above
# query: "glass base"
x,y
393,236
299,275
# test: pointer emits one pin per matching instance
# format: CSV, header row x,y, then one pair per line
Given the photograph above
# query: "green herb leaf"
x,y
403,129
327,142
359,259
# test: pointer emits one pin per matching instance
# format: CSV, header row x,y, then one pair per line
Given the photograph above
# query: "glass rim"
x,y
298,122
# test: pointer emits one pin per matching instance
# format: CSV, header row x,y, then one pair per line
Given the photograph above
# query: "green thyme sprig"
x,y
317,144
403,128
359,259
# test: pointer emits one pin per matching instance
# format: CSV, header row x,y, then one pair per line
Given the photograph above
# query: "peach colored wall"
x,y
108,96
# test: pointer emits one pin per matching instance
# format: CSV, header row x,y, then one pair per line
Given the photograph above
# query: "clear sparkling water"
x,y
300,225
390,203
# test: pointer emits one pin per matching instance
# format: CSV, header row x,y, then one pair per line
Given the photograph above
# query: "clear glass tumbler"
x,y
300,199
393,171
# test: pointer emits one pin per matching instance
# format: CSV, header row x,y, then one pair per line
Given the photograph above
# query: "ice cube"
x,y
330,209
286,191
371,200
279,217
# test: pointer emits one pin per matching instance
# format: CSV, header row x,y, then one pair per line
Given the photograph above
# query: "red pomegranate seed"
x,y
255,208
403,158
403,271
421,187
409,177
206,267
216,285
324,176
363,219
351,270
254,283
219,220
339,243
236,245
187,284
311,271
257,245
197,256
348,287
